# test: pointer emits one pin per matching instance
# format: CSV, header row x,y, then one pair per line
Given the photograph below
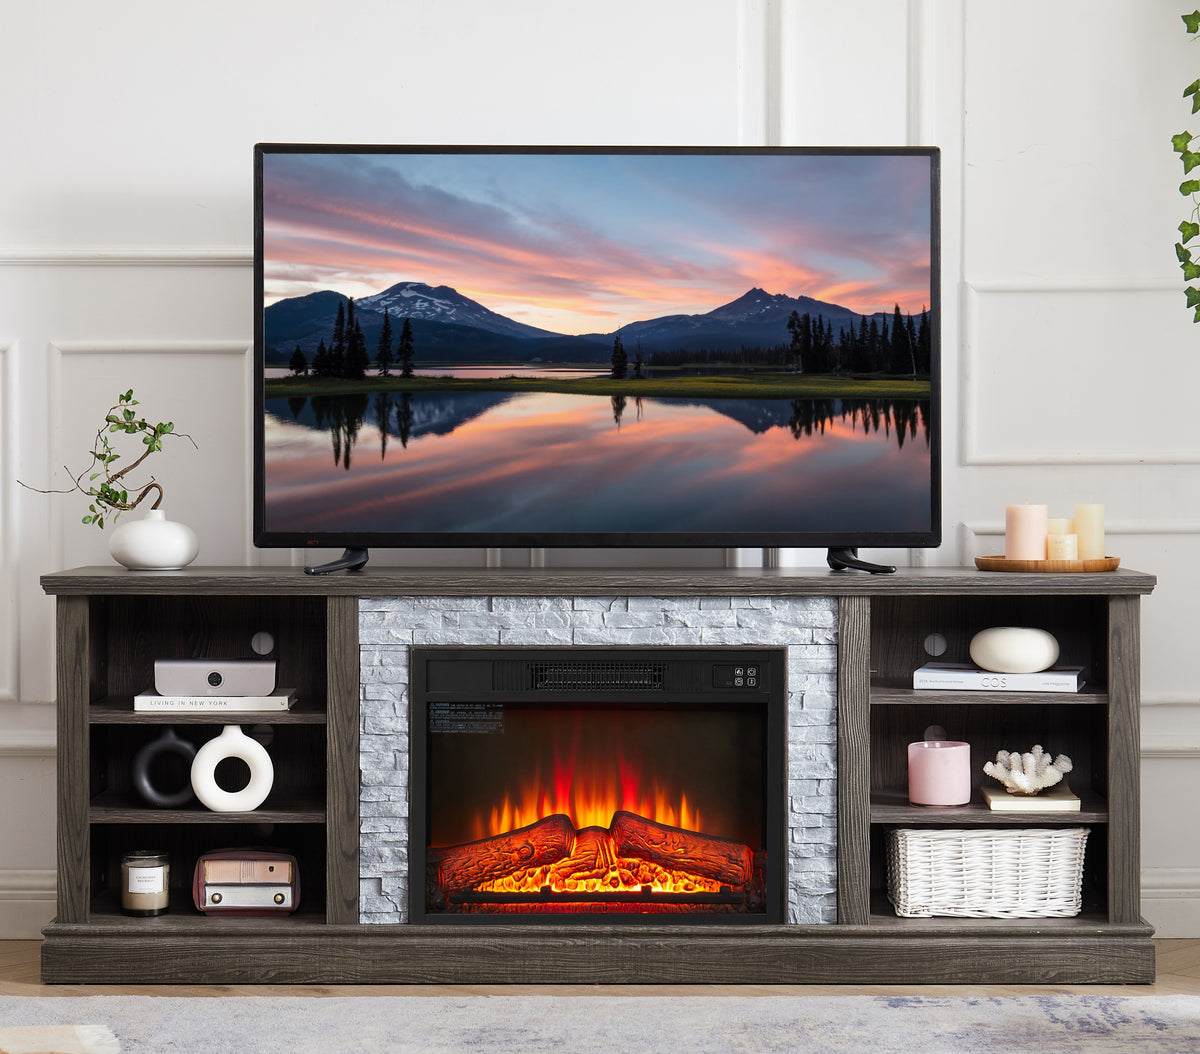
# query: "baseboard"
x,y
27,903
1171,900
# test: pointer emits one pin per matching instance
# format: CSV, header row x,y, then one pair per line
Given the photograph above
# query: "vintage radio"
x,y
246,882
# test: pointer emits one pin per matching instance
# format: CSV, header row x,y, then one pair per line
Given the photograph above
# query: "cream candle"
x,y
1062,547
939,772
145,878
1060,525
1025,532
1089,525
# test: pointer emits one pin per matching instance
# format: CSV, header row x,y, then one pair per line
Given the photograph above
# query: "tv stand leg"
x,y
350,560
847,560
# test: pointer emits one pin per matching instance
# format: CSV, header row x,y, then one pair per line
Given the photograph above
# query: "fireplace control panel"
x,y
749,674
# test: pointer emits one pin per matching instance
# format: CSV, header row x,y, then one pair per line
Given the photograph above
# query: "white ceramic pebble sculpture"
x,y
1014,649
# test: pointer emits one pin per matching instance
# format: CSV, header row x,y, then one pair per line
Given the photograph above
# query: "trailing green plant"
x,y
1184,144
106,483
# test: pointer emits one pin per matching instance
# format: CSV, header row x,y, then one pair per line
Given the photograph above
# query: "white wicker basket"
x,y
986,872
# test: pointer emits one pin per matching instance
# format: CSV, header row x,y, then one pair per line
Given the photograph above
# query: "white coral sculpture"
x,y
1028,773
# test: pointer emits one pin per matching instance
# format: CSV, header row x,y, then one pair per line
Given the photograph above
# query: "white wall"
x,y
125,252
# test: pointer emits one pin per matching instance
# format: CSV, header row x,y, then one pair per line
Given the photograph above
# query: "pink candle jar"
x,y
939,772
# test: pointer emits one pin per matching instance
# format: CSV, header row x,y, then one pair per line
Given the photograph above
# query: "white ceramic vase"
x,y
232,743
153,543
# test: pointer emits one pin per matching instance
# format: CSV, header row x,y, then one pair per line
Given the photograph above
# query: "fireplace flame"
x,y
590,793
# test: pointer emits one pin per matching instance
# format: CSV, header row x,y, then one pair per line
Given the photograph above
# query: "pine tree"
x,y
320,362
900,359
620,360
800,327
298,364
383,353
924,354
337,351
862,351
404,352
357,359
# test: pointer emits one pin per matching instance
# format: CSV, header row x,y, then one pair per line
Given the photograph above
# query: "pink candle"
x,y
939,772
1025,532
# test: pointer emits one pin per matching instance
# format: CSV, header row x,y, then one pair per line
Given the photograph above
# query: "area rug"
x,y
600,1024
58,1039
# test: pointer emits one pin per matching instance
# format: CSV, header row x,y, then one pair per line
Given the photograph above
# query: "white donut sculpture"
x,y
232,743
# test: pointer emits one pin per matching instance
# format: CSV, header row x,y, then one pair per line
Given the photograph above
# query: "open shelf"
x,y
893,807
892,694
111,809
119,711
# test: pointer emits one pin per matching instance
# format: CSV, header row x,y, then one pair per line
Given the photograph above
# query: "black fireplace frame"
x,y
497,674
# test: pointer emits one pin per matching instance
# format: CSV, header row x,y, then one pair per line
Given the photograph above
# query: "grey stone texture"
x,y
805,626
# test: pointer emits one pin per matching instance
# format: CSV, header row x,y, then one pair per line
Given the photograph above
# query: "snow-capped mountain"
x,y
416,300
450,327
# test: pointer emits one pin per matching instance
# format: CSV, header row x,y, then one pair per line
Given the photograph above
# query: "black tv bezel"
x,y
831,539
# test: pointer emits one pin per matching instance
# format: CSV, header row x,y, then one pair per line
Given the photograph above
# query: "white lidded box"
x,y
986,873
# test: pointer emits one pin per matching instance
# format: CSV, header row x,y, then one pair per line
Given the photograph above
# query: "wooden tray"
x,y
1000,563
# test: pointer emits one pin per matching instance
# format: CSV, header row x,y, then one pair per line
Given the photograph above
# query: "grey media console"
x,y
113,623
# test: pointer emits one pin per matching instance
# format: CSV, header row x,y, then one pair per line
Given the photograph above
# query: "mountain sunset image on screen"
x,y
595,346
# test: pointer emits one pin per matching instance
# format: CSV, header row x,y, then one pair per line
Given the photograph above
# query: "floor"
x,y
1178,974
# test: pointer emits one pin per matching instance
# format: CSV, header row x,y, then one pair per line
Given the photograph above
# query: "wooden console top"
x,y
586,581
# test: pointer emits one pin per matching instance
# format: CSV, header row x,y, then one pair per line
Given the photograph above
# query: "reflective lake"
x,y
541,462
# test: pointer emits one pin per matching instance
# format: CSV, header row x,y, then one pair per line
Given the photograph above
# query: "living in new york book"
x,y
284,699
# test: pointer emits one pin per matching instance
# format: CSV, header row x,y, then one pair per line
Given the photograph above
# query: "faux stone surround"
x,y
806,626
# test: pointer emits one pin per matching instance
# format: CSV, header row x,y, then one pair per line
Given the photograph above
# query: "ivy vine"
x,y
1184,145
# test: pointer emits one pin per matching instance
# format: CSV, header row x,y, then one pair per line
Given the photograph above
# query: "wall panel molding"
x,y
60,351
919,82
10,612
1175,748
122,256
28,743
974,449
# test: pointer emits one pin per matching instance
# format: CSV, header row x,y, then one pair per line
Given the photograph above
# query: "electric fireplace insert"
x,y
592,783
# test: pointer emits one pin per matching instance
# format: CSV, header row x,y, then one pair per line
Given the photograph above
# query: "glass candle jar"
x,y
145,878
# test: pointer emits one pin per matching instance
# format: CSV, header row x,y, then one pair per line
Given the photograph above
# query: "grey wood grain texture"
x,y
107,639
72,626
854,759
342,779
965,953
435,581
1124,760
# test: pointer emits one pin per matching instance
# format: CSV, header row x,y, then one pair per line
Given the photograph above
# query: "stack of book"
x,y
282,699
963,677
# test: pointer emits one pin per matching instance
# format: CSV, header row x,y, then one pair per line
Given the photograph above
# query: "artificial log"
x,y
676,849
463,867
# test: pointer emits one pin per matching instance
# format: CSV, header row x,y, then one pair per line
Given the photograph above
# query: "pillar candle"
x,y
1025,532
939,772
1060,525
1089,525
1062,547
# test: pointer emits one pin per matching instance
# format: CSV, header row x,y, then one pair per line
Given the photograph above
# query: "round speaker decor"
x,y
155,760
232,743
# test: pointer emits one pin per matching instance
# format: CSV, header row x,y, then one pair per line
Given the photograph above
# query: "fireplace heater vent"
x,y
580,676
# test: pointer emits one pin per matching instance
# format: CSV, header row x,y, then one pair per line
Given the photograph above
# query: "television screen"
x,y
596,346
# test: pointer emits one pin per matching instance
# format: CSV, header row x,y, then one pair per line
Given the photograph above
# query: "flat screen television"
x,y
596,346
